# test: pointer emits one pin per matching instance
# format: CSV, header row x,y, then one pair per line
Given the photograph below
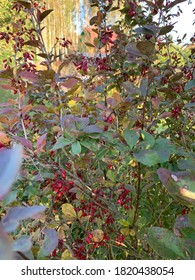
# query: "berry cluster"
x,y
124,198
106,37
132,9
63,42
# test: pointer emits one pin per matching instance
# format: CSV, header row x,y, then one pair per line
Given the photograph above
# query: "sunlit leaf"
x,y
4,139
69,212
148,139
66,255
181,185
97,235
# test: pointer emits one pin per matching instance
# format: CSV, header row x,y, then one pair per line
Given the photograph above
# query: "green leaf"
x,y
165,29
164,148
131,89
131,137
102,152
6,74
184,164
144,30
147,157
148,139
189,85
69,212
111,175
143,86
191,218
164,243
146,47
61,142
44,14
90,144
76,148
10,198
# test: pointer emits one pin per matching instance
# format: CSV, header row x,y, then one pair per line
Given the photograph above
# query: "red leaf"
x,y
27,5
41,142
25,142
69,83
33,43
30,76
40,108
7,87
44,14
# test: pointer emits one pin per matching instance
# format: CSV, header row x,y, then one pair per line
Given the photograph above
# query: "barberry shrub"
x,y
108,150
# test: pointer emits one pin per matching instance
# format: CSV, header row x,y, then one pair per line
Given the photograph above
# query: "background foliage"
x,y
108,148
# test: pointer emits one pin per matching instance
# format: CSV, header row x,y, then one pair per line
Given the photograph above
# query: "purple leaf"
x,y
49,244
45,14
15,214
25,142
92,129
10,162
41,142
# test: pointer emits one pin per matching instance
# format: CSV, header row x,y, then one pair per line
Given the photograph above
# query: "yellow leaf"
x,y
69,212
133,162
27,108
187,193
66,255
98,235
124,231
71,103
80,213
4,139
132,232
